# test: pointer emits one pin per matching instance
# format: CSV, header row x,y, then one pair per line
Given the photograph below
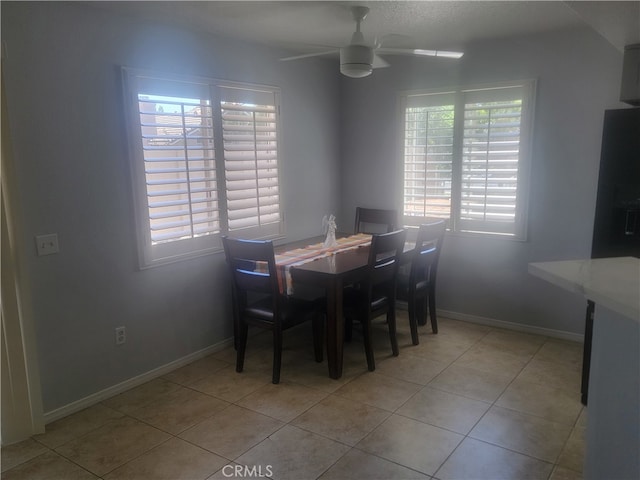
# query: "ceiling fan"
x,y
358,59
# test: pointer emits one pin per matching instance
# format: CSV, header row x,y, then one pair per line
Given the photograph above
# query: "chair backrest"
x,y
426,253
384,257
252,266
375,220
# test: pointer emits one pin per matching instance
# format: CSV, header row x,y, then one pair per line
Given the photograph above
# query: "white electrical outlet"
x,y
47,244
121,335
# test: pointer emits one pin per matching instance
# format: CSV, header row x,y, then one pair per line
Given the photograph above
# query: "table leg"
x,y
586,351
335,328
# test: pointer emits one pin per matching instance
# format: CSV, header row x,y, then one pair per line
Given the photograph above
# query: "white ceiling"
x,y
310,26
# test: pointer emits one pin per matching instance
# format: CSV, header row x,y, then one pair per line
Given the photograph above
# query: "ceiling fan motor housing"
x,y
356,61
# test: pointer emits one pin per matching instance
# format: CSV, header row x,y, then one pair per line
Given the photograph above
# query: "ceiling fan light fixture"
x,y
356,61
356,70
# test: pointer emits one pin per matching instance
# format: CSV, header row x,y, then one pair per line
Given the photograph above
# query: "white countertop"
x,y
611,282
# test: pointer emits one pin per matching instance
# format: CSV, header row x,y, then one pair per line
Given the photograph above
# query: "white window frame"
x,y
213,94
456,96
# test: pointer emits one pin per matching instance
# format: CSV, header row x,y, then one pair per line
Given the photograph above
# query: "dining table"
x,y
331,269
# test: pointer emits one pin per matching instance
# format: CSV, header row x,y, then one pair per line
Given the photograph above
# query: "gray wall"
x,y
65,113
578,77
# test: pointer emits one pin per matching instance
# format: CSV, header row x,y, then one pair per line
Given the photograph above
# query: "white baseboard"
x,y
491,322
109,392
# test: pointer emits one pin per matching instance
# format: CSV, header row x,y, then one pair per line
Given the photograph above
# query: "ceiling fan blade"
x,y
445,54
379,62
421,52
307,55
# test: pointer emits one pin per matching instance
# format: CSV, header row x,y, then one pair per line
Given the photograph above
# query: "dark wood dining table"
x,y
332,273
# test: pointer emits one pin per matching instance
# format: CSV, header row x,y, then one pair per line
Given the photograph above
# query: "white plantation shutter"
x,y
250,141
490,160
428,154
205,163
466,157
179,165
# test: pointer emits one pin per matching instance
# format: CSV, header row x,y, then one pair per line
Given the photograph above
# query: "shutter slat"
x,y
238,137
269,128
192,158
251,148
159,171
173,148
238,175
178,181
240,107
232,157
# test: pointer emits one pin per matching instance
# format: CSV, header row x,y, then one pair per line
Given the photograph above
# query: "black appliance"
x,y
616,229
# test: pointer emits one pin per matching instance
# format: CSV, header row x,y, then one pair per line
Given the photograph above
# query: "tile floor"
x,y
472,402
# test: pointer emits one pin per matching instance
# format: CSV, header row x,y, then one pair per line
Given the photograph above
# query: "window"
x,y
204,163
465,156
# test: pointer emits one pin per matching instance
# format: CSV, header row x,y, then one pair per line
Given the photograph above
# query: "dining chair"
x,y
258,300
418,288
375,220
375,295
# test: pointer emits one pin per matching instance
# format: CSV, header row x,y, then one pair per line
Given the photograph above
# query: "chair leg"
x,y
368,344
236,321
277,354
391,320
318,336
348,329
413,322
235,335
432,309
241,345
421,310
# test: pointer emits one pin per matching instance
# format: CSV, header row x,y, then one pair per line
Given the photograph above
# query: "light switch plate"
x,y
47,244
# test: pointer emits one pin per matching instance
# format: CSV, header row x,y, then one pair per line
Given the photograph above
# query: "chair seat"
x,y
294,312
354,297
403,286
